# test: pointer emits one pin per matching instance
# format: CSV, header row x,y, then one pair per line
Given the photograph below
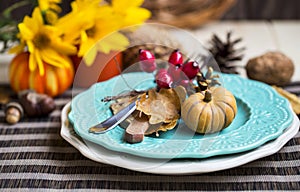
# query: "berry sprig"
x,y
176,58
175,69
191,69
147,61
178,73
164,79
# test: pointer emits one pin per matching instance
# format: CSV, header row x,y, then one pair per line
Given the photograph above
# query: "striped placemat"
x,y
33,155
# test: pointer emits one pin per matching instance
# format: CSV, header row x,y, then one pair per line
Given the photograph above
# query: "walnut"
x,y
273,68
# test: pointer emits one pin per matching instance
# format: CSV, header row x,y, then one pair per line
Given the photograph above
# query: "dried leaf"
x,y
293,99
161,107
162,127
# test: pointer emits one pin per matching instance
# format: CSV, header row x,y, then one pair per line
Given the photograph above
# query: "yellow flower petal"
x,y
73,24
37,16
55,1
121,4
55,8
74,6
43,4
129,12
51,17
136,16
86,46
103,27
53,58
29,22
83,36
52,62
39,62
25,32
115,41
30,46
81,18
90,57
105,11
32,62
63,47
17,49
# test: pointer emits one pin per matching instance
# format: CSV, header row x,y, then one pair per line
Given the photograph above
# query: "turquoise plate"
x,y
262,116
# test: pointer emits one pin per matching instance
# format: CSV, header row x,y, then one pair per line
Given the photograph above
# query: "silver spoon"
x,y
114,120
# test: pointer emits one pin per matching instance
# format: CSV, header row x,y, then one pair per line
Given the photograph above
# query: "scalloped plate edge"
x,y
178,167
164,154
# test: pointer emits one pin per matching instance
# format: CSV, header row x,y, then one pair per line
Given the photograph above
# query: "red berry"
x,y
163,79
147,61
184,82
176,58
175,72
191,69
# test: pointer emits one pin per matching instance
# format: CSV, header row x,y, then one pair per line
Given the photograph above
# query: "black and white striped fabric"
x,y
33,156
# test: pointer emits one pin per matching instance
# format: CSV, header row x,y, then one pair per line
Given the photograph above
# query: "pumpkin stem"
x,y
207,96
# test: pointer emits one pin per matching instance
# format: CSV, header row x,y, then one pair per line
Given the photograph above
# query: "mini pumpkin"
x,y
210,112
54,82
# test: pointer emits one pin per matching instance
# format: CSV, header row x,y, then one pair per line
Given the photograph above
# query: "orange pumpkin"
x,y
54,82
97,72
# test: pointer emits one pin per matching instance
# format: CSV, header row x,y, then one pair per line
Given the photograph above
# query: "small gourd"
x,y
54,82
209,112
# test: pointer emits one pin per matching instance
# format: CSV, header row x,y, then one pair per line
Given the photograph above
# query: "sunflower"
x,y
50,10
81,18
50,5
44,43
104,35
100,39
130,12
97,25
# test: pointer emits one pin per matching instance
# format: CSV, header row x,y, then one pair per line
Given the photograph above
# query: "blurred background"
x,y
266,9
272,19
239,10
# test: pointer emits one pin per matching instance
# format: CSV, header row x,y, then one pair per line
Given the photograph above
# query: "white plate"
x,y
256,122
175,166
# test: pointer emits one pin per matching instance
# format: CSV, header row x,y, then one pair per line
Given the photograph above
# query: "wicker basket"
x,y
187,13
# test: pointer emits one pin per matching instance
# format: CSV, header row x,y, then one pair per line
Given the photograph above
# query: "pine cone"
x,y
225,53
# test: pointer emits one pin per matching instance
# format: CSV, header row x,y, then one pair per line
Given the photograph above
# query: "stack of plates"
x,y
264,123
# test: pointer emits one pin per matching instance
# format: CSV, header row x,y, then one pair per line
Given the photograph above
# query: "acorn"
x,y
13,112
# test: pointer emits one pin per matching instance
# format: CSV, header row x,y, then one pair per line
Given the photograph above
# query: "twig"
x,y
127,94
7,12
